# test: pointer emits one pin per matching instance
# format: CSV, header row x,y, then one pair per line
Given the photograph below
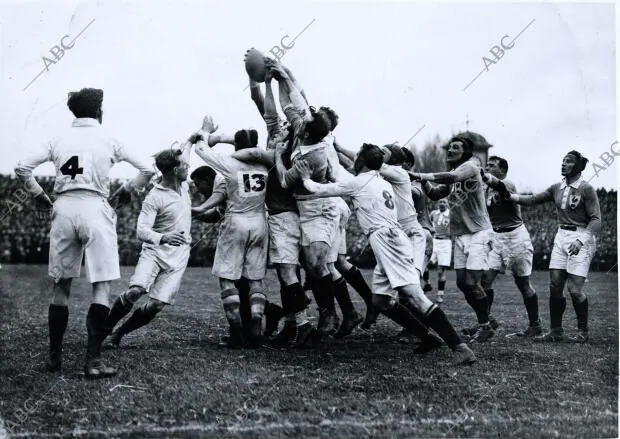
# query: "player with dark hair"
x,y
319,218
469,224
242,244
373,200
512,246
164,227
83,222
205,178
284,226
579,215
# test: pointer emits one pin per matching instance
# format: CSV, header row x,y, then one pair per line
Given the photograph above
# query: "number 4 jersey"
x,y
83,157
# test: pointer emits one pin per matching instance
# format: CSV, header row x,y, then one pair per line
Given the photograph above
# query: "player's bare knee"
x,y
342,265
574,285
524,286
287,274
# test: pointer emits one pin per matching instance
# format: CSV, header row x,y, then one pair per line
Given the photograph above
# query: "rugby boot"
x,y
531,331
464,355
372,314
439,298
95,369
484,333
328,322
429,343
349,323
54,363
285,337
113,341
256,332
473,329
306,336
580,337
555,335
273,314
235,339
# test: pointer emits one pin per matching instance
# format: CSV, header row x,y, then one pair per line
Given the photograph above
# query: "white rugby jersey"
x,y
83,157
165,211
400,181
441,222
372,196
246,183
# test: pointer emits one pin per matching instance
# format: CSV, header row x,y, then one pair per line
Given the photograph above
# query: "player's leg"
x,y
530,300
65,260
444,257
142,316
434,317
354,277
488,277
121,307
96,320
231,303
577,269
428,254
350,317
97,230
243,287
257,310
575,284
323,288
146,271
557,280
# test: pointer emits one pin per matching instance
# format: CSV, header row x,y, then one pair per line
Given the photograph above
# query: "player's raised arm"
x,y
348,154
145,172
255,155
24,169
530,200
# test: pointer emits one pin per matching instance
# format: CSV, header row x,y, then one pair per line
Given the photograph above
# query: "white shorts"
x,y
284,238
417,238
395,264
428,250
319,221
579,264
512,251
83,226
442,252
241,248
339,246
154,274
471,251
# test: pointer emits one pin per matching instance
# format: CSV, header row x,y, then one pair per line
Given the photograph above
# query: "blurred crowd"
x,y
24,236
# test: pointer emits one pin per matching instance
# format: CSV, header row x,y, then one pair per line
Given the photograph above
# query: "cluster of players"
x,y
281,206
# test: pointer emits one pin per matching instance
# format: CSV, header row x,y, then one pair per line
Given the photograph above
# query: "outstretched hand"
x,y
209,125
304,170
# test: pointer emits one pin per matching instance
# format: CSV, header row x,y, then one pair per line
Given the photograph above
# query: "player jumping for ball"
x,y
579,215
83,221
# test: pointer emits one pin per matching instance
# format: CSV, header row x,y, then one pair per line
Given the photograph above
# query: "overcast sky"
x,y
387,69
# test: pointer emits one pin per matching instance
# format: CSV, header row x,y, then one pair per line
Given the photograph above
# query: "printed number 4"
x,y
72,167
256,185
389,203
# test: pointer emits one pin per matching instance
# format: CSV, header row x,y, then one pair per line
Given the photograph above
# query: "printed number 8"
x,y
389,203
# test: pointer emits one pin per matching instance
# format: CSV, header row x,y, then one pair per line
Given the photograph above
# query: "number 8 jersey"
x,y
83,158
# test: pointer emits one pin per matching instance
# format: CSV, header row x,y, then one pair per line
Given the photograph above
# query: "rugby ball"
x,y
255,65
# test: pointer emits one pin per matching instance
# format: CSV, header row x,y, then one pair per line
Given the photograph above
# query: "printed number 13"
x,y
256,185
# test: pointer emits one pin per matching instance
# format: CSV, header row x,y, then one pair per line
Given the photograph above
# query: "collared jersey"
x,y
165,210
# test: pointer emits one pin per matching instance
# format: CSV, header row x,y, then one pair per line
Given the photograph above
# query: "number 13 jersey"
x,y
246,183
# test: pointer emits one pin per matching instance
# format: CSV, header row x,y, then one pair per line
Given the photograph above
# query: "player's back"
x,y
373,202
246,189
83,157
403,199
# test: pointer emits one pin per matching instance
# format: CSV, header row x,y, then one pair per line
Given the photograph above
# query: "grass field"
x,y
175,381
